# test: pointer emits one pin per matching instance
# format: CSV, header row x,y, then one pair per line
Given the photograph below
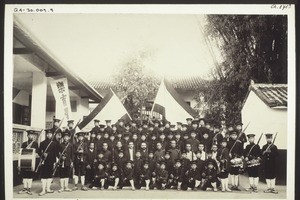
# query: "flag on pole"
x,y
61,94
170,105
110,108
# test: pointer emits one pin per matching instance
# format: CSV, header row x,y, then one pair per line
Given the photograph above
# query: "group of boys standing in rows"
x,y
151,154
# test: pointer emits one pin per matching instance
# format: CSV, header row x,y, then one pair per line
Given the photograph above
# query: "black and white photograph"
x,y
149,101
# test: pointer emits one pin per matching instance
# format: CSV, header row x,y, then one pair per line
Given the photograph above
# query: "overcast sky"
x,y
96,45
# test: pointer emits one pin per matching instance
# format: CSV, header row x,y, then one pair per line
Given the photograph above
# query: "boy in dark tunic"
x,y
270,153
210,177
28,175
223,159
114,176
252,155
128,175
144,176
193,177
100,176
162,176
176,175
66,161
48,151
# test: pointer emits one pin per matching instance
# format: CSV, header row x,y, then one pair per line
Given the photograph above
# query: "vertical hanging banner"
x,y
60,90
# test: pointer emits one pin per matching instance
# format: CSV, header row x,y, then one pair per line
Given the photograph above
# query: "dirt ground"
x,y
126,193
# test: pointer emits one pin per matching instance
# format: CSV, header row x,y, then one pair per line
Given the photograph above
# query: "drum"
x,y
236,162
253,163
27,159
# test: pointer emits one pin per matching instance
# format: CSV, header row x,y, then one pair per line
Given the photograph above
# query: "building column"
x,y
38,103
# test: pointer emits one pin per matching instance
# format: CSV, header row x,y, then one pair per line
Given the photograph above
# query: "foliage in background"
x,y
253,47
135,84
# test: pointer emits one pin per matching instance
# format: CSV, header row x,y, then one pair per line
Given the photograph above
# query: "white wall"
x,y
264,119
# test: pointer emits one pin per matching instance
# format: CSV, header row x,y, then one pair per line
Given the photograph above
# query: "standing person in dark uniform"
x,y
178,140
162,176
270,153
114,176
174,152
217,136
120,126
79,161
107,155
185,162
28,175
56,126
49,156
91,156
201,129
108,127
184,141
152,142
223,159
195,129
162,140
121,161
102,130
137,166
96,128
144,151
70,124
176,175
252,155
133,127
167,128
159,153
128,175
206,141
243,137
193,141
236,156
189,124
66,162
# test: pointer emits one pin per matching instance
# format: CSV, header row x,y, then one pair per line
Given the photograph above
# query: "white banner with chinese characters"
x,y
61,94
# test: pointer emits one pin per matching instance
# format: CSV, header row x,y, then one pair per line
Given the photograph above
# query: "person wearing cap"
x,y
201,128
168,140
144,176
252,153
80,149
112,143
135,139
66,162
206,140
144,150
194,177
178,140
217,136
162,139
152,142
70,127
194,127
162,176
242,135
176,175
108,127
119,147
114,176
48,151
184,141
210,177
189,124
56,126
193,141
98,142
133,127
185,162
167,127
143,139
120,126
100,176
27,175
223,160
96,128
168,161
269,155
104,139
235,153
128,175
201,165
93,137
159,153
91,156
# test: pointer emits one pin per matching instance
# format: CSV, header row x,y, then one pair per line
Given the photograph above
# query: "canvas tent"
x,y
110,108
170,105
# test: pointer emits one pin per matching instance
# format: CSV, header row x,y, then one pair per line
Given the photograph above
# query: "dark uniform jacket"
x,y
52,151
34,145
138,163
194,174
145,173
174,154
100,174
114,174
252,151
107,156
128,173
67,159
159,155
194,144
223,155
177,173
237,150
90,157
95,130
162,175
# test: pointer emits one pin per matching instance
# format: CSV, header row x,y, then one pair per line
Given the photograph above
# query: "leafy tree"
x,y
253,47
135,84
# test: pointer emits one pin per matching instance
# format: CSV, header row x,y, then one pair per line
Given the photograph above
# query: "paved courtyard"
x,y
154,194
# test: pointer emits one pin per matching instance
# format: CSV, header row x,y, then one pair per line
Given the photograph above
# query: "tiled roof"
x,y
192,82
273,95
